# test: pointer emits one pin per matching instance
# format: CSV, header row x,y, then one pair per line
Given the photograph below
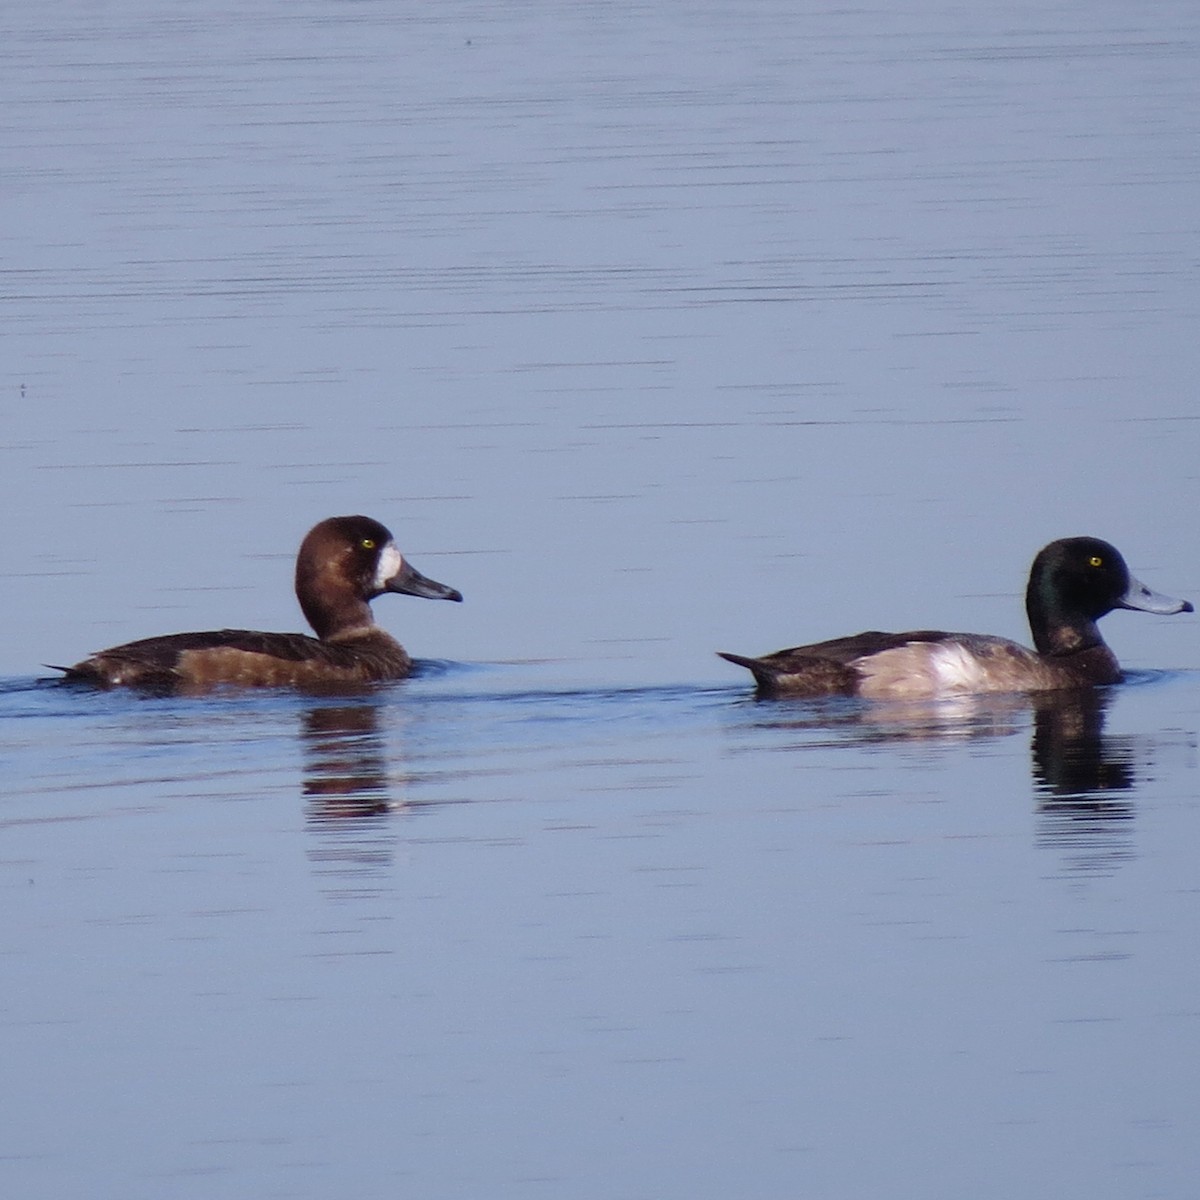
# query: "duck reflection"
x,y
1072,755
1083,779
837,720
345,764
348,795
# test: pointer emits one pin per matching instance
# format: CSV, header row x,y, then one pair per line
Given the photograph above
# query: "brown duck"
x,y
343,564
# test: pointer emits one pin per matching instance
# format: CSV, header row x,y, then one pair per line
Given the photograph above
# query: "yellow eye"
x,y
369,544
1095,561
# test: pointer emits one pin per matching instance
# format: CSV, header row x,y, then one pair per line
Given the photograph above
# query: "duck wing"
x,y
155,662
826,668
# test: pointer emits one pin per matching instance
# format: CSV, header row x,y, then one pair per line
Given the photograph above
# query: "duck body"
x,y
343,563
920,663
244,658
1072,583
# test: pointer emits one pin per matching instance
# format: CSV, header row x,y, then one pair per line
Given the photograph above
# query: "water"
x,y
656,330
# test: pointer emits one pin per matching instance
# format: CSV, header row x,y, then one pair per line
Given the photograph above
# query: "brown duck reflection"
x,y
345,762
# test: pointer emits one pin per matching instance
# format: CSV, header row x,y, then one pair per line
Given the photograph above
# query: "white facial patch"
x,y
390,563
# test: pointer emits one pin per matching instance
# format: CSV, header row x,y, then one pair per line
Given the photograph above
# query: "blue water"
x,y
656,331
458,937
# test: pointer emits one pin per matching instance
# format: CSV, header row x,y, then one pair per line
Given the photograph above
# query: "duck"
x,y
1073,582
343,564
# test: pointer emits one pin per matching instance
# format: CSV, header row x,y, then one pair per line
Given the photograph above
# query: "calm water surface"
x,y
656,330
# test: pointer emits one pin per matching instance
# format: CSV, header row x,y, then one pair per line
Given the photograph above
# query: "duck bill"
x,y
1139,597
410,582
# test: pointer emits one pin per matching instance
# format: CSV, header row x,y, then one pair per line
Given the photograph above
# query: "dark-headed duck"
x,y
1072,584
343,563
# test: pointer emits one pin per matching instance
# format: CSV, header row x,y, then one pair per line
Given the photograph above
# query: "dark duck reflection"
x,y
1072,756
1085,779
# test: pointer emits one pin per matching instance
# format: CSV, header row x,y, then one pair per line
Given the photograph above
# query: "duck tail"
x,y
763,675
749,663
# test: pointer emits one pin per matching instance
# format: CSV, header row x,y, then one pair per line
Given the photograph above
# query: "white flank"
x,y
955,668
